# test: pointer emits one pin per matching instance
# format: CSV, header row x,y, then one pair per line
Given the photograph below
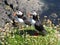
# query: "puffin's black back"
x,y
39,27
26,21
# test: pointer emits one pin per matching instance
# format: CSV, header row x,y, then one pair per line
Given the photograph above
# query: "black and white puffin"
x,y
37,23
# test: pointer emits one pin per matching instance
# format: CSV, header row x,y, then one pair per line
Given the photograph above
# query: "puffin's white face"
x,y
34,13
19,13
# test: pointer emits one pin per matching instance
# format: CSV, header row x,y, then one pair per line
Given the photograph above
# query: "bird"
x,y
38,26
32,21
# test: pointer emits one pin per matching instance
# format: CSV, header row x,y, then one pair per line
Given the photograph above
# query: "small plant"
x,y
14,38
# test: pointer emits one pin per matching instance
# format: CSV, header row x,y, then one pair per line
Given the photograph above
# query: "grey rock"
x,y
24,5
3,16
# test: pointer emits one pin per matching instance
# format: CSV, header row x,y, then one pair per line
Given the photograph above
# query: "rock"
x,y
7,8
3,16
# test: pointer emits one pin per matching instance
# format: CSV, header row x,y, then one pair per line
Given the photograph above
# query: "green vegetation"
x,y
25,39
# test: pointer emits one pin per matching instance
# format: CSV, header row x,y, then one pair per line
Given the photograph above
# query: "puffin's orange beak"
x,y
14,14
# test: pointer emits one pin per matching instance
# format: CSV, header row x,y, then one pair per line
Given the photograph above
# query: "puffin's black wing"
x,y
39,27
26,21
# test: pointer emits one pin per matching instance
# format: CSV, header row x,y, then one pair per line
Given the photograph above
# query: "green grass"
x,y
59,42
16,39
